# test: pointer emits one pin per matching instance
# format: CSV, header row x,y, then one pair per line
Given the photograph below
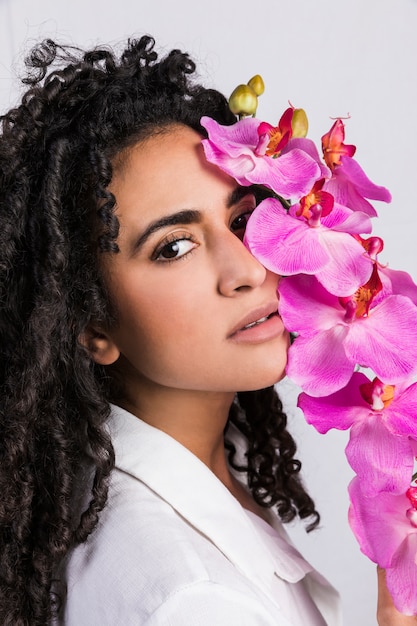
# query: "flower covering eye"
x,y
346,310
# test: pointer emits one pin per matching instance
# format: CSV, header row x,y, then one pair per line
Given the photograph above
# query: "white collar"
x,y
187,484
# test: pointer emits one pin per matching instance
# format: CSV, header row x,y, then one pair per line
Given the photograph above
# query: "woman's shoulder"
x,y
135,530
144,562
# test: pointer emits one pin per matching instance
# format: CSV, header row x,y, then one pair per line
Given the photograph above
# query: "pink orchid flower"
x,y
386,529
314,237
333,147
349,184
241,150
272,139
382,419
337,334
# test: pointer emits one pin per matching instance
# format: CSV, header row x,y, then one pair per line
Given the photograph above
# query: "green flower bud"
x,y
299,123
257,84
243,101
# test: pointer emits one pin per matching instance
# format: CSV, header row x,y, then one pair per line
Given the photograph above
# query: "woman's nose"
x,y
238,269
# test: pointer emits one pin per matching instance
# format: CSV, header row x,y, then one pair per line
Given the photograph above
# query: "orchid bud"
x,y
411,494
411,513
412,517
257,84
299,123
243,101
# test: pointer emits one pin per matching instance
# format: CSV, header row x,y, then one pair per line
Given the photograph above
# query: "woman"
x,y
139,339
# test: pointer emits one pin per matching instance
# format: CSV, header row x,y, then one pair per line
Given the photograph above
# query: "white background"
x,y
331,57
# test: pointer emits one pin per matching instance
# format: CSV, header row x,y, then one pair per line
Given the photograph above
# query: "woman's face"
x,y
196,311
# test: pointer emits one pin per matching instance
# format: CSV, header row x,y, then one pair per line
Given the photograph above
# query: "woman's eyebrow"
x,y
182,217
237,194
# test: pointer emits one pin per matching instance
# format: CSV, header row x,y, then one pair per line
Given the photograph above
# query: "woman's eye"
x,y
174,249
238,225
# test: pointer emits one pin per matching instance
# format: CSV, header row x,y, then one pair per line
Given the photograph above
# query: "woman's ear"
x,y
100,345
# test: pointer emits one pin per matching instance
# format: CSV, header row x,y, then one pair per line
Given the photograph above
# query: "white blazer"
x,y
174,548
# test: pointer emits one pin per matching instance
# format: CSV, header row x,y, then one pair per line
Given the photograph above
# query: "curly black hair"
x,y
80,111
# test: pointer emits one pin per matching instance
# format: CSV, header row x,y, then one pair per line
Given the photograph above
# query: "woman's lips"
x,y
258,326
255,316
263,319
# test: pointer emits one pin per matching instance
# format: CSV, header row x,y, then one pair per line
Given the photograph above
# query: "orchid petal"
x,y
308,146
386,340
290,175
339,410
384,462
355,222
401,577
379,523
401,414
234,138
386,536
400,282
348,268
334,256
333,146
238,168
233,149
319,364
274,237
360,523
353,171
306,307
344,192
350,186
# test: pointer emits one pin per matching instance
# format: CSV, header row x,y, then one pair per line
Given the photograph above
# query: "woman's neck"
x,y
195,419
